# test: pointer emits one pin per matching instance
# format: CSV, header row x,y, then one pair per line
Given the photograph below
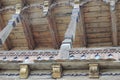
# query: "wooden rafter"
x,y
27,28
7,44
82,28
114,28
53,29
113,21
70,32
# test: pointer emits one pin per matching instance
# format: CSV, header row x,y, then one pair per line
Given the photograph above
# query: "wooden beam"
x,y
27,29
82,28
53,30
27,26
7,44
113,21
114,28
70,32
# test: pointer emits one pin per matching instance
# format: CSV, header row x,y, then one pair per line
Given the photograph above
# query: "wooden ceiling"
x,y
38,32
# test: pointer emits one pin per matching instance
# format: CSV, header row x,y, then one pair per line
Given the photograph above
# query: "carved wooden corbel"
x,y
112,3
24,71
56,71
45,7
93,71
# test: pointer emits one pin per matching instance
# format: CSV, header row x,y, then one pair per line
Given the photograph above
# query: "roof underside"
x,y
97,24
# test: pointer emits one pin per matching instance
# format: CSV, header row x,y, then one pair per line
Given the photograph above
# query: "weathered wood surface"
x,y
97,24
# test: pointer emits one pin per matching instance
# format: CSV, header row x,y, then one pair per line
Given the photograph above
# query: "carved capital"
x,y
93,71
56,71
24,71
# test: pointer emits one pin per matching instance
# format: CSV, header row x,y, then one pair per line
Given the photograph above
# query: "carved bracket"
x,y
56,71
45,7
112,3
24,71
93,71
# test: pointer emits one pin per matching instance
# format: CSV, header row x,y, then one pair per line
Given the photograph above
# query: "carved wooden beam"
x,y
56,71
24,71
11,24
27,28
114,21
93,71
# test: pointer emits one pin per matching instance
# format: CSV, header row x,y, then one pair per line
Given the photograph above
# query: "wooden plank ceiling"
x,y
38,32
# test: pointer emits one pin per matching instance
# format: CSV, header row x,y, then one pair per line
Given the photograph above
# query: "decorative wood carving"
x,y
93,71
56,71
24,71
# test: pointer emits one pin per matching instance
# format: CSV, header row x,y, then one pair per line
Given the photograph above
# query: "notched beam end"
x,y
56,71
24,71
93,71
